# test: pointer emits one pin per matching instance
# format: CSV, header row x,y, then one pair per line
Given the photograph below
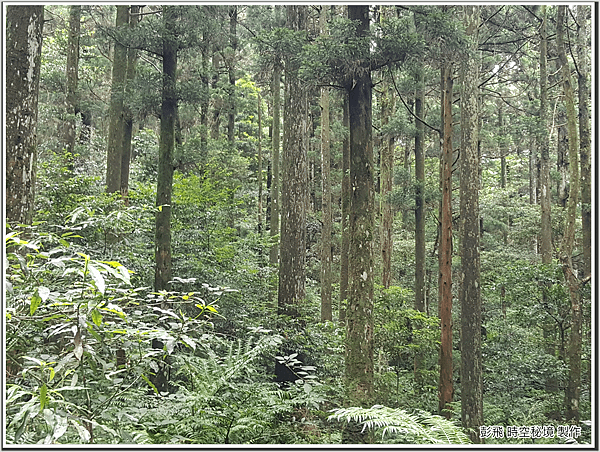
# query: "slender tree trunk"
x,y
419,200
326,255
345,207
359,314
204,104
127,113
274,227
216,114
233,17
420,272
446,389
585,136
164,187
294,189
259,171
573,389
116,128
471,376
24,26
387,181
543,143
72,70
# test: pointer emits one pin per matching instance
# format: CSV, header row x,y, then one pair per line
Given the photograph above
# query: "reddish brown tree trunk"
x,y
446,389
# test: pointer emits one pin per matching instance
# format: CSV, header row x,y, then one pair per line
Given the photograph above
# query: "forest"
x,y
298,224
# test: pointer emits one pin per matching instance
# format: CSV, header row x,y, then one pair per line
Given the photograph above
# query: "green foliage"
x,y
403,427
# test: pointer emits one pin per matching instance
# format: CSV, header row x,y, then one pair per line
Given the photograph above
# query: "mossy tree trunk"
x,y
359,313
471,375
72,69
24,25
573,387
543,144
116,128
326,253
585,144
274,190
345,208
132,56
164,188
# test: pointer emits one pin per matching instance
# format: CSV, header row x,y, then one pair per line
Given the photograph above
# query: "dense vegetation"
x,y
164,304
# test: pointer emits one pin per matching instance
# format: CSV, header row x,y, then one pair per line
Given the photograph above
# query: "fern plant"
x,y
411,428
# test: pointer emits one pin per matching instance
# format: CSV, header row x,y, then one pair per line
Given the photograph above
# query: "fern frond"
x,y
421,426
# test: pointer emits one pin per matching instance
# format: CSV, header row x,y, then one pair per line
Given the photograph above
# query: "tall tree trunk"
x,y
259,175
543,144
446,389
24,26
233,17
562,161
419,199
164,188
420,274
72,70
573,388
204,103
274,226
471,377
127,113
217,106
359,314
326,255
387,181
294,189
116,128
345,207
585,136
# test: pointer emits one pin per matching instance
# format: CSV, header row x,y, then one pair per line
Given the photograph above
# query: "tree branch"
x,y
407,108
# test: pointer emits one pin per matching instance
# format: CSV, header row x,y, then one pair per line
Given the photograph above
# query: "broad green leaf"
x,y
43,396
36,300
98,278
51,374
96,317
150,383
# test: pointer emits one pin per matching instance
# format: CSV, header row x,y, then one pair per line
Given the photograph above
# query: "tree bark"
x,y
274,225
24,25
259,171
387,181
164,188
446,388
543,144
359,314
233,17
573,388
419,200
585,136
71,99
132,56
345,207
326,255
116,130
471,376
294,189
